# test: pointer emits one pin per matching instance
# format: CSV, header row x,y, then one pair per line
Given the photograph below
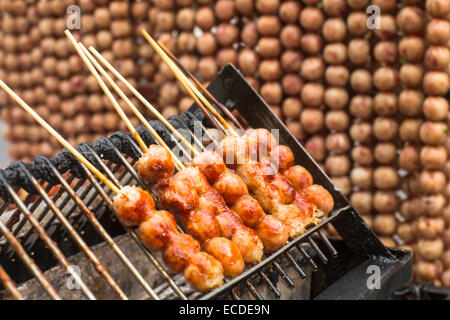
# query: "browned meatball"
x,y
386,51
436,83
227,253
361,106
357,23
178,252
411,48
385,78
362,155
385,201
358,51
411,75
385,224
438,32
320,197
411,19
385,178
362,202
388,27
312,94
312,68
272,232
385,153
437,58
385,129
409,158
312,120
335,53
361,132
438,8
432,181
133,205
156,230
337,120
337,165
433,132
409,130
299,177
311,19
211,165
433,157
311,43
156,164
178,197
410,102
435,108
361,177
334,30
204,272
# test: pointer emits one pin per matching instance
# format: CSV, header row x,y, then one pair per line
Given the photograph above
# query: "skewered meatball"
x,y
361,106
436,83
385,178
385,201
361,132
228,253
133,205
411,75
411,20
433,132
411,48
320,197
385,129
409,158
311,44
433,157
358,51
385,224
432,181
311,19
438,32
435,108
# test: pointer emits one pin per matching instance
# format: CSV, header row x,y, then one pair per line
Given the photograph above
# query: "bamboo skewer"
x,y
58,137
140,97
133,108
201,86
192,90
105,89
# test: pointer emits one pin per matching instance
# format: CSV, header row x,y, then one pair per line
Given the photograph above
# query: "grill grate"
x,y
51,227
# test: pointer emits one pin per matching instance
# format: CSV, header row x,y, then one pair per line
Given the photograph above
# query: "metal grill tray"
x,y
339,266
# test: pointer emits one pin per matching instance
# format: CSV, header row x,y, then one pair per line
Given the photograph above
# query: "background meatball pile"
x,y
369,105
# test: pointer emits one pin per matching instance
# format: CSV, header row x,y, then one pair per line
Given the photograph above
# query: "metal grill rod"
x,y
9,284
77,238
57,253
29,262
99,228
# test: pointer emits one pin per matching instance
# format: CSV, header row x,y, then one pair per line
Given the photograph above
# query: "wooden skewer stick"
x,y
190,88
131,105
105,89
201,86
186,82
141,98
58,137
